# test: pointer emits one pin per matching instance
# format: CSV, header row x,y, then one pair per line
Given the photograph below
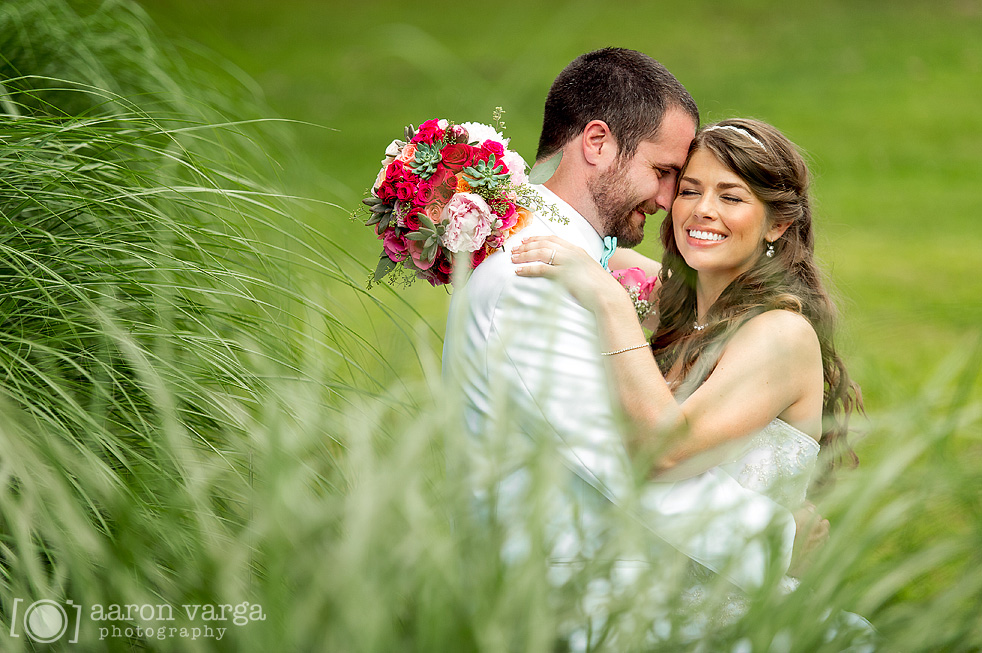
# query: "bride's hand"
x,y
554,258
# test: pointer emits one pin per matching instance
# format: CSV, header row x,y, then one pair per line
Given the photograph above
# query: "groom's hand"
x,y
811,534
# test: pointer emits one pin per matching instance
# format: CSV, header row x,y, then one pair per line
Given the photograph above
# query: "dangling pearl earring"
x,y
770,250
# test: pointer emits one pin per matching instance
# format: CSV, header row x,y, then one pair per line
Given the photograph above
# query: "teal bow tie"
x,y
610,244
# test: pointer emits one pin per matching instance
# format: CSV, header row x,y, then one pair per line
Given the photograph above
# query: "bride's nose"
x,y
705,208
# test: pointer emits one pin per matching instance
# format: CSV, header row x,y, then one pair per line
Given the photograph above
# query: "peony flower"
x,y
479,133
468,220
516,167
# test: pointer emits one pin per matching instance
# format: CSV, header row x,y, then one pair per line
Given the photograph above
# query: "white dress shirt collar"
x,y
585,235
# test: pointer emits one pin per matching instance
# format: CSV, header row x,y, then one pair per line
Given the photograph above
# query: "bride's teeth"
x,y
706,235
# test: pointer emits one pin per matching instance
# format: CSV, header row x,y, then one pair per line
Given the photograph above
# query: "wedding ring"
x,y
553,257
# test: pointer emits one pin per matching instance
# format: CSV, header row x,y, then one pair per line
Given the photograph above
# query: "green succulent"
x,y
427,158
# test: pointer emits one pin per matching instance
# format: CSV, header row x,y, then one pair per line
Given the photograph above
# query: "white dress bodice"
x,y
778,461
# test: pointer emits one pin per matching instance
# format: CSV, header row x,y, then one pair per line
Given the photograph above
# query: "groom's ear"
x,y
599,146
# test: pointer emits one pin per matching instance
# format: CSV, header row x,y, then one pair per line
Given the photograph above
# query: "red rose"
x,y
412,222
395,172
385,191
424,194
478,257
457,156
405,190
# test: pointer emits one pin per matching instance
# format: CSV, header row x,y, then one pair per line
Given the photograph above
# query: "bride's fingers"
x,y
539,243
537,269
544,254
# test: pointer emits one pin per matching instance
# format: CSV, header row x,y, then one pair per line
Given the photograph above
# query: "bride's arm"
x,y
758,377
624,258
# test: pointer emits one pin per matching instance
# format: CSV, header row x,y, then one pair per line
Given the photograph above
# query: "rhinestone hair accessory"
x,y
739,130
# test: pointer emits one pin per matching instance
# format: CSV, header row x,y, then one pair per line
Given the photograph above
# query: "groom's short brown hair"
x,y
626,89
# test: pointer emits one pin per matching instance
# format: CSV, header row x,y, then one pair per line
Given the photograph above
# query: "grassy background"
x,y
882,95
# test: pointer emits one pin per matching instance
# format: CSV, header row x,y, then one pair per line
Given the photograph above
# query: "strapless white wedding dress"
x,y
777,462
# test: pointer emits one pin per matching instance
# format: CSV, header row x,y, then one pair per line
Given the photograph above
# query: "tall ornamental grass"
x,y
195,413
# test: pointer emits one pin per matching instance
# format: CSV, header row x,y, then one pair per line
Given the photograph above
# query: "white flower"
x,y
392,151
479,132
516,167
468,220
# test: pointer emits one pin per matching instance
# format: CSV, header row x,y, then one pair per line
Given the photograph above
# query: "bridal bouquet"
x,y
641,288
448,193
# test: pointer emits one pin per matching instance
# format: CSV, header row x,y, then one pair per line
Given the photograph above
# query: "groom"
x,y
526,356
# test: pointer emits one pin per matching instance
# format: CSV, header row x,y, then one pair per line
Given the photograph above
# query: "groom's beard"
x,y
616,200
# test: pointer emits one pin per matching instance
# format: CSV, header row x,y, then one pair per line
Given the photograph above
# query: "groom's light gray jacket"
x,y
526,357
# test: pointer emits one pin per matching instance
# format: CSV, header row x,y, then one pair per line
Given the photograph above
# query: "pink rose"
x,y
408,153
429,132
396,247
508,213
416,251
493,147
468,220
636,278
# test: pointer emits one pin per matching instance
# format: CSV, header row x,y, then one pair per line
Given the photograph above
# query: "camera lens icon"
x,y
45,621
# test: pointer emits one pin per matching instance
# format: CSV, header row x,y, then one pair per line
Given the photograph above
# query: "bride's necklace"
x,y
698,327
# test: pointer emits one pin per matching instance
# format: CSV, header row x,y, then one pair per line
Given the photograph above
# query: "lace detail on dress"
x,y
778,462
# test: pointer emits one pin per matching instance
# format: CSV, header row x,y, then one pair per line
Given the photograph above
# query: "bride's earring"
x,y
770,250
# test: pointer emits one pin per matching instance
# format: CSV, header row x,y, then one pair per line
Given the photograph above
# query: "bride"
x,y
741,373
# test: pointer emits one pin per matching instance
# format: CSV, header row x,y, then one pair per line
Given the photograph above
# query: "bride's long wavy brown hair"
x,y
778,176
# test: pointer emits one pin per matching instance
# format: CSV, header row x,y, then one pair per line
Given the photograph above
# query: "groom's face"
x,y
632,188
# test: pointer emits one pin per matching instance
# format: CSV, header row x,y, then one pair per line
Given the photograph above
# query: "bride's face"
x,y
720,225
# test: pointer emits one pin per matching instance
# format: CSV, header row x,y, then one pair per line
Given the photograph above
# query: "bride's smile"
x,y
720,225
